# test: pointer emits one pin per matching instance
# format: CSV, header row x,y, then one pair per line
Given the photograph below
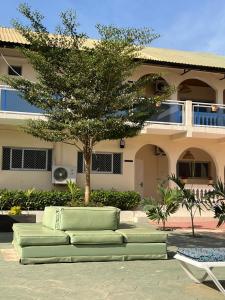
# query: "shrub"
x,y
123,200
37,200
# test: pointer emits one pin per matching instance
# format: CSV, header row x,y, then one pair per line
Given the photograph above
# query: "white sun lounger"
x,y
202,258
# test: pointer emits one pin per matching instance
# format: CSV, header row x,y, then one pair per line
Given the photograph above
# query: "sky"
x,y
196,25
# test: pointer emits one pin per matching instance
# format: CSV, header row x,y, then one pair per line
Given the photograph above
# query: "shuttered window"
x,y
110,163
26,159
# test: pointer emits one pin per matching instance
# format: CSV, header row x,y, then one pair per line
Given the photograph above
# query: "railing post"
x,y
188,113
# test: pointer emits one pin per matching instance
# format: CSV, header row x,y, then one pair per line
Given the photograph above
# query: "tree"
x,y
189,200
167,205
82,85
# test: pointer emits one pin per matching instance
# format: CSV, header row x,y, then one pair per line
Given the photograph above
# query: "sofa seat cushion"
x,y
42,236
27,226
96,237
142,235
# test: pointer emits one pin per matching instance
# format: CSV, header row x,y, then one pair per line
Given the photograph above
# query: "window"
x,y
26,159
15,70
193,169
102,163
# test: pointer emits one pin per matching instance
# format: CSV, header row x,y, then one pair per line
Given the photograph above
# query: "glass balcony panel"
x,y
169,112
12,101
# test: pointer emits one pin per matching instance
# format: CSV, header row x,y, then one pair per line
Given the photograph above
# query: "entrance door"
x,y
139,177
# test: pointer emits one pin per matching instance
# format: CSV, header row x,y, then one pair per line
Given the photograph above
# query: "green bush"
x,y
37,200
122,200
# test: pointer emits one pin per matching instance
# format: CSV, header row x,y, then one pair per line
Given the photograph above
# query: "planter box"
x,y
7,221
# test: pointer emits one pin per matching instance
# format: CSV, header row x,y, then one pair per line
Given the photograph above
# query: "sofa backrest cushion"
x,y
88,218
49,217
81,218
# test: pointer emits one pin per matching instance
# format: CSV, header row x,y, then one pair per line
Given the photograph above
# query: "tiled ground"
x,y
185,223
136,280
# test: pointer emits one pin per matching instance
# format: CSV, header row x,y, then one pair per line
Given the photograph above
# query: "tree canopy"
x,y
83,85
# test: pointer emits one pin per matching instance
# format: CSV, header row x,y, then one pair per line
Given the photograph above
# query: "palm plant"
x,y
28,193
168,204
218,192
189,200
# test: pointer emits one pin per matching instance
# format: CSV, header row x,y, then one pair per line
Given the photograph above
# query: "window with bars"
x,y
26,159
110,163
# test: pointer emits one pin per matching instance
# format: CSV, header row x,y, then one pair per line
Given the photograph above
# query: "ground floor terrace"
x,y
138,163
131,280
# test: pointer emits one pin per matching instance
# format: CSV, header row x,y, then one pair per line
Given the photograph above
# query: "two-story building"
x,y
186,137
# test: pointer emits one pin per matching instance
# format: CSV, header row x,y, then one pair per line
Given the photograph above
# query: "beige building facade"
x,y
186,137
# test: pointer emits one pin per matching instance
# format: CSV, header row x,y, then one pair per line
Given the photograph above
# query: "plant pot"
x,y
184,180
214,108
7,221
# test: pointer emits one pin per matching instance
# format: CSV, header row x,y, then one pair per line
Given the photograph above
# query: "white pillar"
x,y
219,95
172,166
220,171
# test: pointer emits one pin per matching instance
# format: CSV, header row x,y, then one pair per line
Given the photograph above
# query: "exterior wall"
x,y
174,78
142,164
22,179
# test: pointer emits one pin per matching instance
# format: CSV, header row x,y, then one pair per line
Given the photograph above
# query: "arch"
x,y
196,90
155,86
196,166
151,168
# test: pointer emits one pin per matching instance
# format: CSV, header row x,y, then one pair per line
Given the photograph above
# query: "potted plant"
x,y
184,179
210,180
214,108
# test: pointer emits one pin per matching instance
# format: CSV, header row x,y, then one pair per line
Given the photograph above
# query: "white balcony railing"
x,y
210,115
169,112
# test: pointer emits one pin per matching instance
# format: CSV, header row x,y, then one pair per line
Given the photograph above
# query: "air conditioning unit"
x,y
61,174
160,86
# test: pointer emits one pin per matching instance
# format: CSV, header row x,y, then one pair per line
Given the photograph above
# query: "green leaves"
x,y
167,205
218,193
82,85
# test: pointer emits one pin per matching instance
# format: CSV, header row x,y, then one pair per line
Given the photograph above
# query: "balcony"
x,y
188,118
211,115
185,118
14,110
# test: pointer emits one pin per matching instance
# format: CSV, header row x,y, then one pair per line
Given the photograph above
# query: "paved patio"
x,y
135,280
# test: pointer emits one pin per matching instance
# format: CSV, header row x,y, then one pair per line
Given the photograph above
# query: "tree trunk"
x,y
192,223
164,224
87,164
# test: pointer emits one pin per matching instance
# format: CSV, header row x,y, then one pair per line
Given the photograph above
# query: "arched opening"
x,y
151,168
155,86
197,91
195,166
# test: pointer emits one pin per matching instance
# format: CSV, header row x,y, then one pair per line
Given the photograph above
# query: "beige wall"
x,y
130,178
22,179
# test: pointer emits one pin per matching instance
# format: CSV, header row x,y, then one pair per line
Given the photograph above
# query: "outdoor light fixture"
x,y
188,155
122,143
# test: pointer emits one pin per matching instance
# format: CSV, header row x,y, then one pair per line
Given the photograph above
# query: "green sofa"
x,y
75,234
